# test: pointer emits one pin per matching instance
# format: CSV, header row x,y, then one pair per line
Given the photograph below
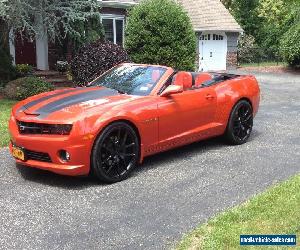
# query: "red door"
x,y
25,51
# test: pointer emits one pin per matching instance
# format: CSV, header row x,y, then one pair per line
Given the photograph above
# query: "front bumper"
x,y
78,148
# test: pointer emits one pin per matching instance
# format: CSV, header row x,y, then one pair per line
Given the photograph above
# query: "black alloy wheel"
x,y
116,153
240,123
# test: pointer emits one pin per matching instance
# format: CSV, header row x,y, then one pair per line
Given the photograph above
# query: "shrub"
x,y
7,70
160,32
62,66
24,69
25,87
94,59
290,46
246,49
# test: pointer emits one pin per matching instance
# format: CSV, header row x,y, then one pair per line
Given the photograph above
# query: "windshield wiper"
x,y
121,92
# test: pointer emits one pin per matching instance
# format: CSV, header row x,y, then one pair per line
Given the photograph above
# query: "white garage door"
x,y
212,51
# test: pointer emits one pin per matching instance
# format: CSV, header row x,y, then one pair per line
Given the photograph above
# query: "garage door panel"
x,y
212,52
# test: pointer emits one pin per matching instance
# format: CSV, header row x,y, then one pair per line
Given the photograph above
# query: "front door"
x,y
184,115
212,52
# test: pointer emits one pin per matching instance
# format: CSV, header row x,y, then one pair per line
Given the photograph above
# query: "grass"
x,y
276,211
5,108
264,64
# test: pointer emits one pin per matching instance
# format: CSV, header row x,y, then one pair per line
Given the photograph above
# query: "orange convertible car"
x,y
129,112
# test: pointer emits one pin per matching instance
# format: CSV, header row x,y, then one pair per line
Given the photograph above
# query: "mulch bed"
x,y
272,69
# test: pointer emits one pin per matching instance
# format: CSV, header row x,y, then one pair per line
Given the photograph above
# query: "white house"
x,y
215,27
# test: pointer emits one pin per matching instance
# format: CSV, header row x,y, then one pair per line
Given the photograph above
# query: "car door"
x,y
183,116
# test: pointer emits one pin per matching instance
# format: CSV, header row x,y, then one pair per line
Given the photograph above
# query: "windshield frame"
x,y
156,84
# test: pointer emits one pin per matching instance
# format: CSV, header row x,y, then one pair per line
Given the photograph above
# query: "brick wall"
x,y
231,60
232,42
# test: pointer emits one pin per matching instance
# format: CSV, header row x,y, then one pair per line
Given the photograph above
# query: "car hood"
x,y
67,104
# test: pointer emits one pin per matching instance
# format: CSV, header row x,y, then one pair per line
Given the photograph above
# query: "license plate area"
x,y
18,153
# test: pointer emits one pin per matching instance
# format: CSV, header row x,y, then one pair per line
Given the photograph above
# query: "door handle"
x,y
209,97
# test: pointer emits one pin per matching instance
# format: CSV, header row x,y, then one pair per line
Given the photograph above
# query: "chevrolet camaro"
x,y
130,112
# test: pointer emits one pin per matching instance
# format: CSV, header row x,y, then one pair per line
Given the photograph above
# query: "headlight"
x,y
58,129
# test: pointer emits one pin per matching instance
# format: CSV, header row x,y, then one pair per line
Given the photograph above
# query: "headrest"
x,y
155,75
183,79
201,78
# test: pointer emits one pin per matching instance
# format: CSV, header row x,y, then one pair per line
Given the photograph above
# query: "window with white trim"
x,y
114,28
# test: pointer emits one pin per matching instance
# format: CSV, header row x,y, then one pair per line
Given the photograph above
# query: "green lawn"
x,y
264,64
5,108
276,211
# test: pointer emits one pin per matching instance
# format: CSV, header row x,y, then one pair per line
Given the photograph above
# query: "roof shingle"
x,y
210,15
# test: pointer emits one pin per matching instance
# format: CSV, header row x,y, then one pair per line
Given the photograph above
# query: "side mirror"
x,y
171,90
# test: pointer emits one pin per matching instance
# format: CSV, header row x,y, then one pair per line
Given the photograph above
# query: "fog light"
x,y
64,155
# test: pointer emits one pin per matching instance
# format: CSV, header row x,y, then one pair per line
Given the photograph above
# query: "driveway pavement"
x,y
166,197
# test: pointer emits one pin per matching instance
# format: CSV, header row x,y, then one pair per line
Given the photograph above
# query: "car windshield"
x,y
131,79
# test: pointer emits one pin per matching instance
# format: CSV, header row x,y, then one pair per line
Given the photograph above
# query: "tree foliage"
x,y
3,8
7,70
273,24
246,47
290,45
245,12
94,59
59,17
160,32
227,3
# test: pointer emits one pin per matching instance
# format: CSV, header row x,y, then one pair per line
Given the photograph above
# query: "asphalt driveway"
x,y
167,196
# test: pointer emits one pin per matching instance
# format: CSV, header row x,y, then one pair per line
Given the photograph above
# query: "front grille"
x,y
32,128
37,156
42,128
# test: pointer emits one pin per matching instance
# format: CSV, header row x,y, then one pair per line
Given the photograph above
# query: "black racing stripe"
x,y
74,99
35,102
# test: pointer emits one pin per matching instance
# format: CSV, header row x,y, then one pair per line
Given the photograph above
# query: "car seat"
x,y
184,79
202,78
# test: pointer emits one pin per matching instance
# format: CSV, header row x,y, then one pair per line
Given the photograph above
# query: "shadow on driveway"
x,y
151,162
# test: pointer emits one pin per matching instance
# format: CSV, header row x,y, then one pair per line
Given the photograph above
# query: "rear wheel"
x,y
115,153
240,123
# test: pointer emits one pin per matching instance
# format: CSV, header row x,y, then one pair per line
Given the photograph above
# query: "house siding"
x,y
232,42
113,11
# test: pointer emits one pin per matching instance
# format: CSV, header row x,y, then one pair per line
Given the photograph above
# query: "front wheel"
x,y
115,153
240,123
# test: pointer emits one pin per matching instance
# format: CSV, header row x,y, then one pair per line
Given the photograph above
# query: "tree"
x,y
290,42
273,16
290,46
7,70
160,32
51,19
58,17
273,24
245,12
227,3
3,8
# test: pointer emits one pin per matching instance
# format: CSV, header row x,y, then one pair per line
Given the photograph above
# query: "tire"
x,y
115,153
240,123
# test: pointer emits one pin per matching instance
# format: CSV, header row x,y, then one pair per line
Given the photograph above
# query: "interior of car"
x,y
196,80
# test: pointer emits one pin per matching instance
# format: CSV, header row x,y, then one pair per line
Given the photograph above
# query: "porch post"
x,y
42,51
12,49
